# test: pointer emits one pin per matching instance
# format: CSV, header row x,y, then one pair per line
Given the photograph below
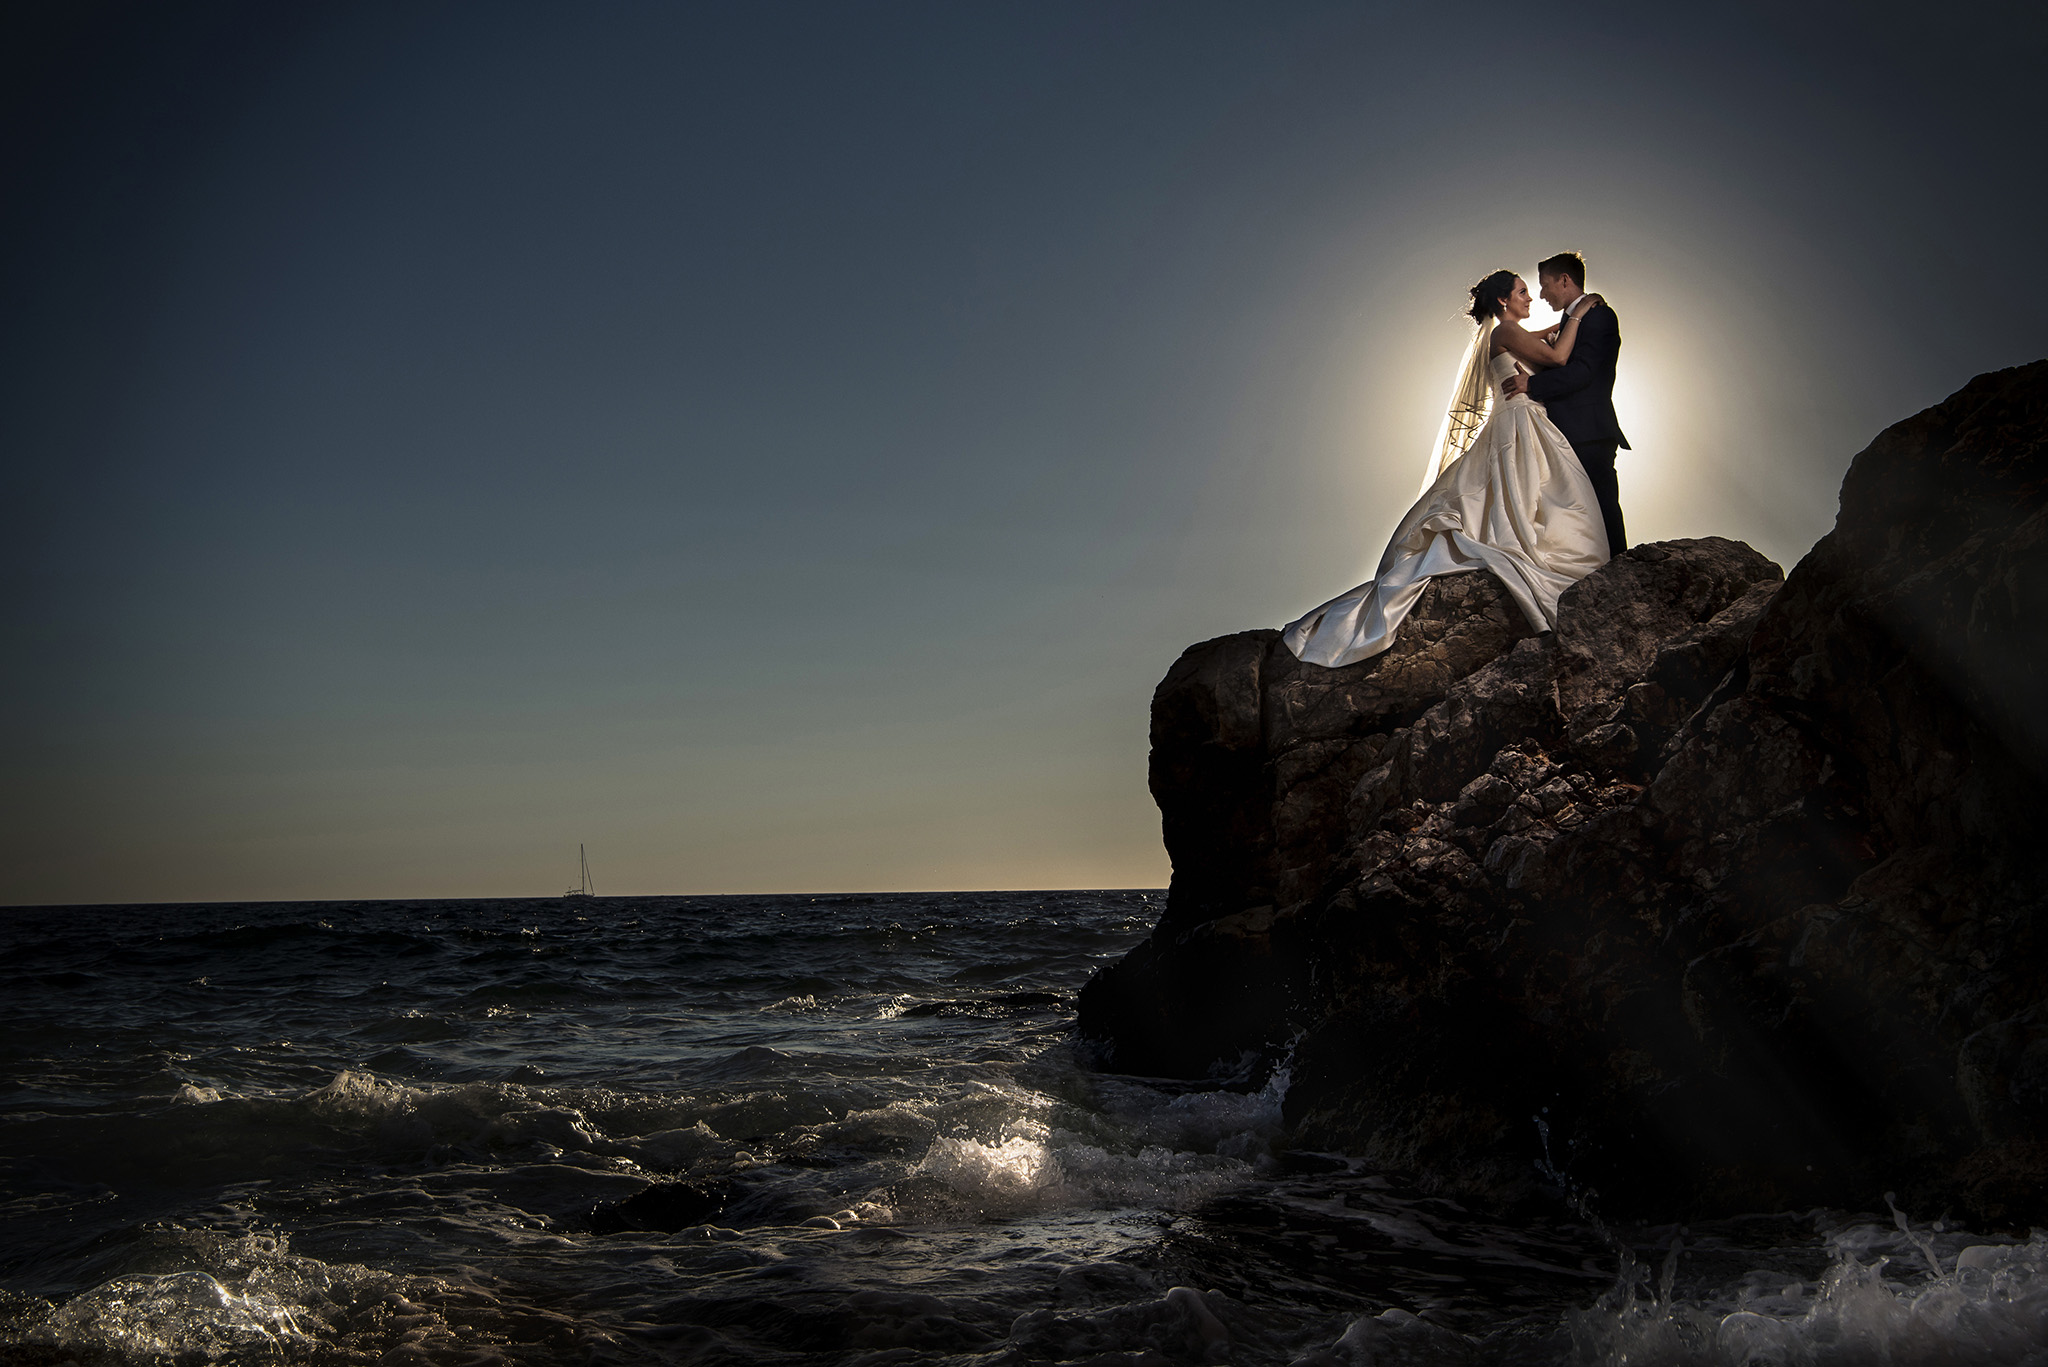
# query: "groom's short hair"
x,y
1565,263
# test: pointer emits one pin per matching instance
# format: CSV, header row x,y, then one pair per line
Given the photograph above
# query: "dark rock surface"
x,y
1725,896
664,1206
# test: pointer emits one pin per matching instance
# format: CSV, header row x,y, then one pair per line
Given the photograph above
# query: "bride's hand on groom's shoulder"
x,y
1593,301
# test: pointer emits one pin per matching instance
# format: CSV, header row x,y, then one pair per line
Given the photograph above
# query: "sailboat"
x,y
588,888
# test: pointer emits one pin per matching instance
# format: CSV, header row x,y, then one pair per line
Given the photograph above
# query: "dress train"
x,y
1517,502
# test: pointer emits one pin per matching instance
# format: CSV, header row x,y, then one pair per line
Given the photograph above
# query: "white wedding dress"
x,y
1516,502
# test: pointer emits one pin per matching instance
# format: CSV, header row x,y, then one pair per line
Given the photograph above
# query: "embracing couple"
x,y
1521,481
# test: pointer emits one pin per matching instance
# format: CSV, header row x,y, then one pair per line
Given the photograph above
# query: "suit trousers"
x,y
1598,460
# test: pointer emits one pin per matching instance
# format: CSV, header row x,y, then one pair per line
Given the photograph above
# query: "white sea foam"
x,y
899,1126
1036,1169
248,1300
1004,1170
1989,1305
179,1315
1153,1176
1239,1125
674,1148
353,1094
487,1116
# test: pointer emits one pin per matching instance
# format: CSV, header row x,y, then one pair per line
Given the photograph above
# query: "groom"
x,y
1579,395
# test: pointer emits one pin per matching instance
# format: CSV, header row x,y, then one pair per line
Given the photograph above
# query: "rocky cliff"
x,y
1726,895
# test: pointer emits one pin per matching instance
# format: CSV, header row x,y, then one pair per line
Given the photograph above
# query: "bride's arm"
x,y
1533,350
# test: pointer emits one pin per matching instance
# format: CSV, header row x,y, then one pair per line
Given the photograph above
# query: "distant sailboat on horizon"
x,y
588,888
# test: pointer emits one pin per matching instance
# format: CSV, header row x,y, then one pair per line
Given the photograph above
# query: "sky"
x,y
780,447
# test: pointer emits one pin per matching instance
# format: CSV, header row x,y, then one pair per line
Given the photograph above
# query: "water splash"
x,y
1990,1307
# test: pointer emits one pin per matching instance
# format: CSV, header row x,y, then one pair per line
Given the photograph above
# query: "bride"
x,y
1503,491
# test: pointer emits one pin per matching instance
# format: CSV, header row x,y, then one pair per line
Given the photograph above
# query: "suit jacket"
x,y
1579,395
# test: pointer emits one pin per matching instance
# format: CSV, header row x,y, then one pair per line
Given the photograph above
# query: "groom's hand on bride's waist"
x,y
1517,383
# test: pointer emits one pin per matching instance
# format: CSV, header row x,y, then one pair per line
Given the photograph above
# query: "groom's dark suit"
x,y
1579,396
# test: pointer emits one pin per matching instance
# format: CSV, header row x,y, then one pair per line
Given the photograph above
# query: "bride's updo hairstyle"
x,y
1487,294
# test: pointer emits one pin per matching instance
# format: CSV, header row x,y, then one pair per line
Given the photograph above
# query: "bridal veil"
x,y
1471,404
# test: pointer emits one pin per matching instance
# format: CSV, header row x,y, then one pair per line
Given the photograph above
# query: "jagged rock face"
x,y
1726,895
1253,757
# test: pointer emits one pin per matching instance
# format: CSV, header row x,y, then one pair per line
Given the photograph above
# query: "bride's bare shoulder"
x,y
1506,338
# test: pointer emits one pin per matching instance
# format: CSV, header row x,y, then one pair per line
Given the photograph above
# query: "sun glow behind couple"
x,y
1696,467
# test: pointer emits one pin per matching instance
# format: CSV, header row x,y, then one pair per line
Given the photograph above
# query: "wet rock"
x,y
1725,895
1481,801
665,1206
1256,757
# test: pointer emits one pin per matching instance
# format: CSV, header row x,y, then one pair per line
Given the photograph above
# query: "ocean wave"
x,y
1981,1302
1182,1326
894,1129
239,1299
675,1149
178,1315
1928,1298
249,1299
1237,1124
1037,1169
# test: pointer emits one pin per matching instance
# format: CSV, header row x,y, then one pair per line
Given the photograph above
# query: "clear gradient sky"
x,y
782,445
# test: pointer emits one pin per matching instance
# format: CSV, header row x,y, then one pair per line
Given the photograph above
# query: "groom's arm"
x,y
1598,346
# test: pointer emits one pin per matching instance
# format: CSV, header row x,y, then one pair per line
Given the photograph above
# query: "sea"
x,y
796,1130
